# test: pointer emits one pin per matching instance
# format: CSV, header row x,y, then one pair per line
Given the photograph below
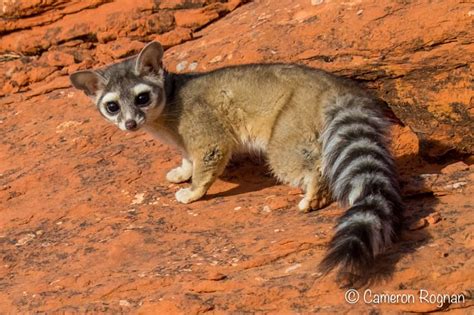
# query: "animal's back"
x,y
251,99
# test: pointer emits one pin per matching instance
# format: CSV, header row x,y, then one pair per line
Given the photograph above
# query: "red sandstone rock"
x,y
278,202
196,18
58,59
175,37
20,14
422,70
455,167
118,49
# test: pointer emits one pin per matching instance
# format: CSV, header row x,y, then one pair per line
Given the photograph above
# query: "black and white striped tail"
x,y
360,171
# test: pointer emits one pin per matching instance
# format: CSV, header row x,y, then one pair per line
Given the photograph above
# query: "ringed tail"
x,y
361,174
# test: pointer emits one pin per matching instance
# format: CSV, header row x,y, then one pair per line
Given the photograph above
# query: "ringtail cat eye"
x,y
112,107
142,99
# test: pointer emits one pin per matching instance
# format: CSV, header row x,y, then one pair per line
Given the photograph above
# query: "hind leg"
x,y
294,155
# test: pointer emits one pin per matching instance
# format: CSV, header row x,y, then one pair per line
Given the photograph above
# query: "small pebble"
x,y
316,2
459,185
418,225
434,218
25,239
192,66
124,303
216,276
138,199
181,66
468,294
292,268
216,59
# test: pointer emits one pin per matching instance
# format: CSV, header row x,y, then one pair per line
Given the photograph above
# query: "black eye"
x,y
112,107
142,99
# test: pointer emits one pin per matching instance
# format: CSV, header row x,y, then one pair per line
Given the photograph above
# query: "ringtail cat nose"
x,y
131,124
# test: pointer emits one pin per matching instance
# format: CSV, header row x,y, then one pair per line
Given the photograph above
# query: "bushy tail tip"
x,y
350,250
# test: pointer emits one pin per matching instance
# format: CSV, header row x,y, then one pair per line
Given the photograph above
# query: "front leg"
x,y
181,173
207,165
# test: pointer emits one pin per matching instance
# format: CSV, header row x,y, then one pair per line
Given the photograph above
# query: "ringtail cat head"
x,y
130,92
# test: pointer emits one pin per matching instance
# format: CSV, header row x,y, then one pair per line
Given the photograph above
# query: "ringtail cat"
x,y
317,131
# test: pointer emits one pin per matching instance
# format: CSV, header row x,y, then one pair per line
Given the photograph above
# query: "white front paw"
x,y
178,175
185,195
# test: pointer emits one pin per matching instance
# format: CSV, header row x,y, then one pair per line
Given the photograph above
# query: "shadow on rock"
x,y
249,172
413,236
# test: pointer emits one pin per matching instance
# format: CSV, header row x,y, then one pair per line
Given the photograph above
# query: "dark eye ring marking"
x,y
142,99
112,107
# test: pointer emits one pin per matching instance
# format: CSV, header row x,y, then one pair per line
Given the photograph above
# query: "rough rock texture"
x,y
88,223
418,57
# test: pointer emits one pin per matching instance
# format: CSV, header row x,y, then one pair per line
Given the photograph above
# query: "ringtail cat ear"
x,y
88,81
149,59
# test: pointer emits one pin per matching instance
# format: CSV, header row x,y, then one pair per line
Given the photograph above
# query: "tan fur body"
x,y
276,109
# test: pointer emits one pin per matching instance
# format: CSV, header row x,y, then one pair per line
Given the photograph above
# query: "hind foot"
x,y
304,205
307,205
315,198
